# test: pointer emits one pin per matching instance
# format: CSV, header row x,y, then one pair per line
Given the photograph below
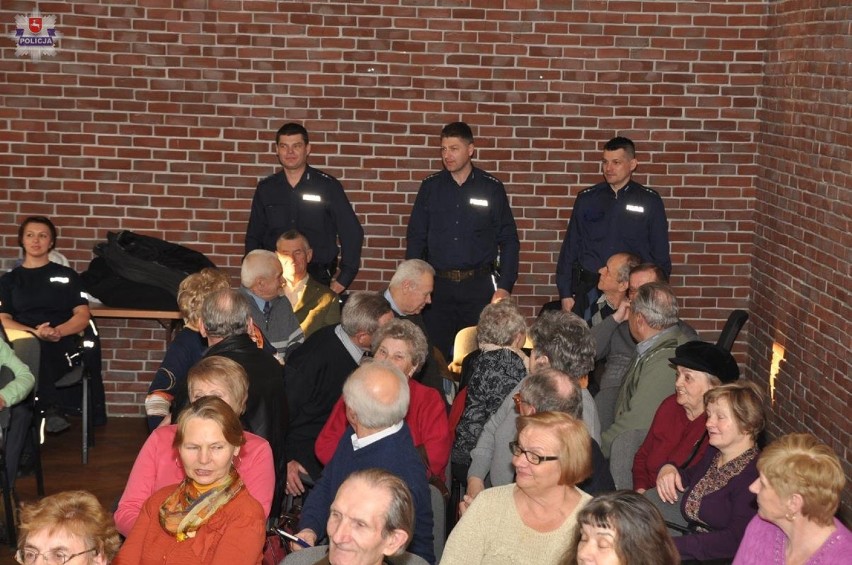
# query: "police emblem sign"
x,y
35,35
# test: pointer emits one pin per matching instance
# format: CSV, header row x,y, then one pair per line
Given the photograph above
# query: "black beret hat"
x,y
708,358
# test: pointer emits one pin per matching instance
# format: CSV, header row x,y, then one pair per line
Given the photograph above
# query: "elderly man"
x,y
311,201
372,517
225,316
314,304
615,346
613,284
542,391
272,314
376,397
409,291
653,323
315,374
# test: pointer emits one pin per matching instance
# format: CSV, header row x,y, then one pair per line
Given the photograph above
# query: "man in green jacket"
x,y
650,378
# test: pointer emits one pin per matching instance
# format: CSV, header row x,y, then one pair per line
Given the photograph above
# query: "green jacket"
x,y
16,379
648,381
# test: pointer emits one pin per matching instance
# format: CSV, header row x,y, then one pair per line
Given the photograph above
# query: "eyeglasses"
x,y
518,400
29,556
533,458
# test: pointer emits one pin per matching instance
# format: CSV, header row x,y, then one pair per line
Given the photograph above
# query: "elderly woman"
x,y
47,300
403,344
63,526
155,466
496,371
186,349
621,528
716,505
798,492
678,433
531,520
209,517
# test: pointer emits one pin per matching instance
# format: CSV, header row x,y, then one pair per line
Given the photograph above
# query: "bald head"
x,y
376,396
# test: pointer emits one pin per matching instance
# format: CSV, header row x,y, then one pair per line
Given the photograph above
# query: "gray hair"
x,y
291,235
566,341
400,514
258,263
407,331
499,324
362,311
225,313
550,390
411,270
657,304
371,412
631,261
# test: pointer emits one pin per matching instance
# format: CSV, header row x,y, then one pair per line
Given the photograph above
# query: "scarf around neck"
x,y
186,509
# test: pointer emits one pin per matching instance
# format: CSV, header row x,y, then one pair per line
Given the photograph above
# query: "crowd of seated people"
x,y
346,416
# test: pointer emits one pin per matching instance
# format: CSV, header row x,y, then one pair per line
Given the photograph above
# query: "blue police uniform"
x,y
604,223
318,207
459,231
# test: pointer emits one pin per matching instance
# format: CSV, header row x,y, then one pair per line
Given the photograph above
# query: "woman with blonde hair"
x,y
209,517
798,492
63,526
158,462
715,505
531,520
185,350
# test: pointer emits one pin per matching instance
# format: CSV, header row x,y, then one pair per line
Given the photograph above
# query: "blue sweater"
x,y
395,453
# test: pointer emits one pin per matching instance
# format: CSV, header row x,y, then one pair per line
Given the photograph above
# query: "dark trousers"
x,y
455,305
20,419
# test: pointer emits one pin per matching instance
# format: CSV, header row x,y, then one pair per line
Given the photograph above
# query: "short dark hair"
x,y
617,143
292,128
641,534
651,267
566,341
458,129
38,220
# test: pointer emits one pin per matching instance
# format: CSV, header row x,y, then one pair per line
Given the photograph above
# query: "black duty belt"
x,y
457,275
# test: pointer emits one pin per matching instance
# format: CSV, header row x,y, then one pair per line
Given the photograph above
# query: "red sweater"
x,y
670,440
426,417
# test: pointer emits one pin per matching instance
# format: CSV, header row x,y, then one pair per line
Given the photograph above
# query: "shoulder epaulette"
x,y
433,175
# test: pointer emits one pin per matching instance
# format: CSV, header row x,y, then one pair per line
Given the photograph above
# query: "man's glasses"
x,y
29,556
533,458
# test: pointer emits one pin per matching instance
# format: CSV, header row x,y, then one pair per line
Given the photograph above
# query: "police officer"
x,y
461,219
616,216
306,199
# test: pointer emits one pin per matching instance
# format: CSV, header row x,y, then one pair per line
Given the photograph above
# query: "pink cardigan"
x,y
158,465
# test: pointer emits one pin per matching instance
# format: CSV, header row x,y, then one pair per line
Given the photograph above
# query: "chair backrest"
x,y
439,520
465,342
624,448
732,328
313,555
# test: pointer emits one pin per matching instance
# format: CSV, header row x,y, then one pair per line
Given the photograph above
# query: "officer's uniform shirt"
x,y
318,207
604,223
461,227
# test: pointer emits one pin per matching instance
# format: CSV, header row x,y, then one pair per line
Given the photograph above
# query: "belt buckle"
x,y
455,275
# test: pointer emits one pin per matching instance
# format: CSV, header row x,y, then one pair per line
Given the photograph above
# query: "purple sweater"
x,y
764,543
724,513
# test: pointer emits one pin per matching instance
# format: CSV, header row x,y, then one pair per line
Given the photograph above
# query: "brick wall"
x,y
160,119
158,116
803,215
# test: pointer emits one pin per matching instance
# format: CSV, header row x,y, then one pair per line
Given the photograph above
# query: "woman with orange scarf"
x,y
209,517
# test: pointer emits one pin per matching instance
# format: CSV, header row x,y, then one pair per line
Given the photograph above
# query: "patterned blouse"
x,y
713,480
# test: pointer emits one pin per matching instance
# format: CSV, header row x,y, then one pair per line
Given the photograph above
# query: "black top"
x,y
604,222
462,227
318,207
44,294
